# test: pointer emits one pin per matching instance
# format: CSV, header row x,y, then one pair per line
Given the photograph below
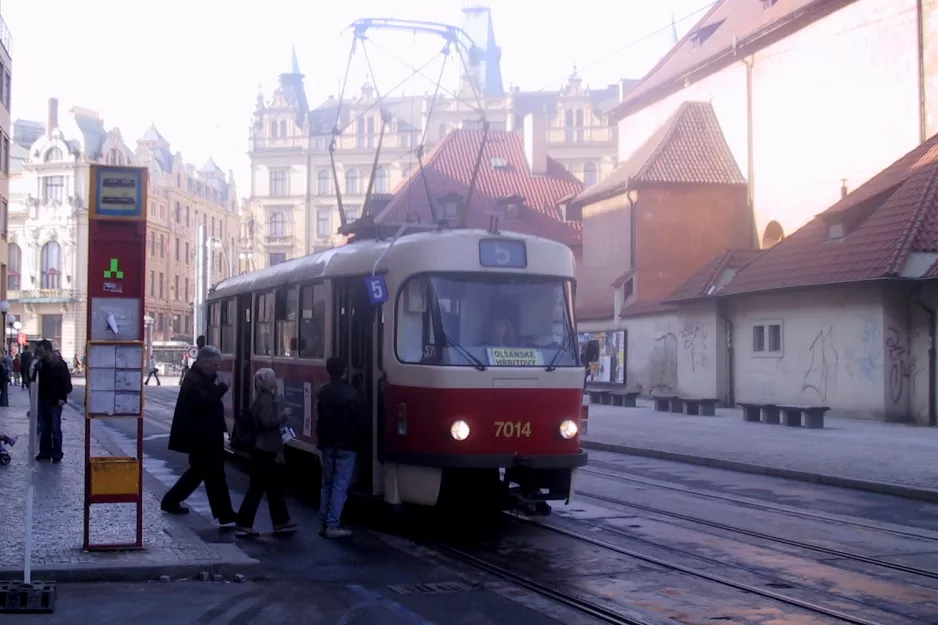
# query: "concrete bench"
x,y
698,406
596,395
664,403
625,399
811,417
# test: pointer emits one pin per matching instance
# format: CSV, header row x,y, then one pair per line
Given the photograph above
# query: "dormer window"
x,y
511,207
499,163
835,231
449,208
628,290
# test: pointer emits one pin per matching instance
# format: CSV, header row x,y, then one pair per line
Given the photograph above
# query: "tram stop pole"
x,y
30,484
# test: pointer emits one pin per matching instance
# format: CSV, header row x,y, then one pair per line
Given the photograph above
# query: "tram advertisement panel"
x,y
297,396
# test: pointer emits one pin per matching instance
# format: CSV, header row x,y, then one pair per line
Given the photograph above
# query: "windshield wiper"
x,y
462,351
552,365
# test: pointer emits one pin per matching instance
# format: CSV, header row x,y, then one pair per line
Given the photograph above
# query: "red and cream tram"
x,y
463,341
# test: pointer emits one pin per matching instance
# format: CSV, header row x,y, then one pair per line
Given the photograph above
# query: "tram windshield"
x,y
490,320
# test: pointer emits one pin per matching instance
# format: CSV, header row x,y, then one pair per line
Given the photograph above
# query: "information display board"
x,y
116,353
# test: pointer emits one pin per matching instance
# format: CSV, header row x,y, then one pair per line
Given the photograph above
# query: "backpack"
x,y
244,433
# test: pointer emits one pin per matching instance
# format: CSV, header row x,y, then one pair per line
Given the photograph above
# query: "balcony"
x,y
6,38
280,235
586,135
43,296
285,143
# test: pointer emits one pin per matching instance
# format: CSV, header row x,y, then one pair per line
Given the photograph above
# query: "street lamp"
x,y
4,309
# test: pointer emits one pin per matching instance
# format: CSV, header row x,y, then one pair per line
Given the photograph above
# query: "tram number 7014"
x,y
509,429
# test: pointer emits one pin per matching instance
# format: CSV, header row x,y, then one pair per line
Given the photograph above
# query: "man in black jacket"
x,y
340,426
198,429
26,359
55,384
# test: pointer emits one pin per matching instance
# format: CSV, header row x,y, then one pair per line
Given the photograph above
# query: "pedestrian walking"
x,y
198,429
51,374
16,371
340,427
26,359
6,377
154,372
266,418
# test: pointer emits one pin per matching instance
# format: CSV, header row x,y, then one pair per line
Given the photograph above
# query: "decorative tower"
x,y
485,67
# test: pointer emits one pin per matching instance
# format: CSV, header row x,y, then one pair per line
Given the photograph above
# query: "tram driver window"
x,y
285,326
312,321
263,325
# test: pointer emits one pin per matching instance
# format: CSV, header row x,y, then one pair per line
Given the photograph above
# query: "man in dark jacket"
x,y
198,429
26,359
340,425
55,384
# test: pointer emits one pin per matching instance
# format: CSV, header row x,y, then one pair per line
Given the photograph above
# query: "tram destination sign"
x,y
507,253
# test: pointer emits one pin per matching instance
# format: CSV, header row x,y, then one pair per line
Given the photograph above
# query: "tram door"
x,y
243,356
354,325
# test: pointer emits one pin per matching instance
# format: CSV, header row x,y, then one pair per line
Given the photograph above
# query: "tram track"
x,y
837,553
764,593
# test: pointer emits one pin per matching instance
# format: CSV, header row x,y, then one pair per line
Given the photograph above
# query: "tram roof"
x,y
439,247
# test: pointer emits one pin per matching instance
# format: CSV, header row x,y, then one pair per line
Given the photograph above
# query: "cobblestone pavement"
x,y
846,449
170,546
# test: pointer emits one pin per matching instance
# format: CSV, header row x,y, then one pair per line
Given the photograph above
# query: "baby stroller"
x,y
5,458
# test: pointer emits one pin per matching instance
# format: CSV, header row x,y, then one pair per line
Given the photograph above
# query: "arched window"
x,y
322,182
371,132
273,130
590,175
360,132
773,234
351,182
50,259
54,154
14,267
114,157
381,180
277,225
283,128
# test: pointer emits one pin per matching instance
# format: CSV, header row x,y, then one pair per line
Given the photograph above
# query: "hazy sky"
x,y
193,67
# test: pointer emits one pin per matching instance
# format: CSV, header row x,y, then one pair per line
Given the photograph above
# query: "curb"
x,y
131,573
883,488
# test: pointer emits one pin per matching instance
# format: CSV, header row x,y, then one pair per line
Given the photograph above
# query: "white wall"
x,y
702,354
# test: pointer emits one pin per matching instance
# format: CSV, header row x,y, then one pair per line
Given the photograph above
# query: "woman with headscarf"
x,y
269,418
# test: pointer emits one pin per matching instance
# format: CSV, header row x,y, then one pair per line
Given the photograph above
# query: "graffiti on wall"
x,y
901,365
821,375
864,357
662,364
694,339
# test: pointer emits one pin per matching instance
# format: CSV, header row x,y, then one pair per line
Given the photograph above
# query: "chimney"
x,y
535,142
843,188
52,121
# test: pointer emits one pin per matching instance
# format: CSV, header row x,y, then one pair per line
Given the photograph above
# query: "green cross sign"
x,y
114,272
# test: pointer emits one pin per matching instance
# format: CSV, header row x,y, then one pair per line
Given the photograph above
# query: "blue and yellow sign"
x,y
118,192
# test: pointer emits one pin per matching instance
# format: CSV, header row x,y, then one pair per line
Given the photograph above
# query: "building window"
x,y
177,251
53,154
275,258
323,223
162,245
590,175
53,188
351,182
4,218
371,132
277,225
322,183
283,128
187,252
51,328
6,89
187,216
360,133
381,180
352,213
187,295
50,259
14,267
5,157
162,293
278,183
767,338
176,288
152,283
273,130
114,157
312,322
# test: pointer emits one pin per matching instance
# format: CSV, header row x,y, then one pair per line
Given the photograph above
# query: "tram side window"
x,y
214,324
228,316
285,327
313,321
264,324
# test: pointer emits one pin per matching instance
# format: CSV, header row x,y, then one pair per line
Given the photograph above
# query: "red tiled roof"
x,y
699,284
732,29
448,170
890,217
687,149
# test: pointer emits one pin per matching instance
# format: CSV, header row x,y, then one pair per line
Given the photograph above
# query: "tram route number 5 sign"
x,y
377,289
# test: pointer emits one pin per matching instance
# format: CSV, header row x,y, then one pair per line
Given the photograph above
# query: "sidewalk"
x,y
866,455
171,548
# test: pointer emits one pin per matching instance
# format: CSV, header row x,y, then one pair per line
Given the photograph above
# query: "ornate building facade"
x,y
48,226
293,195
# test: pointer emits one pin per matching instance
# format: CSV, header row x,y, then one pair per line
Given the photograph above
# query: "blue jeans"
x,y
50,431
337,468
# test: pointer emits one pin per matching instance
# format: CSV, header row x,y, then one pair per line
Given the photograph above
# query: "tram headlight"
x,y
568,429
459,430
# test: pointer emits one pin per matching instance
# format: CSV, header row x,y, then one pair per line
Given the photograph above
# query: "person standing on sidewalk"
x,y
55,383
26,359
340,425
266,476
154,372
198,429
